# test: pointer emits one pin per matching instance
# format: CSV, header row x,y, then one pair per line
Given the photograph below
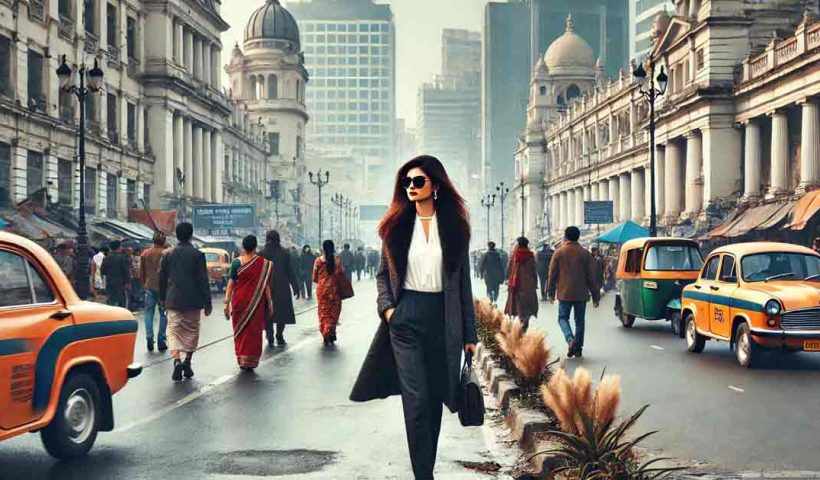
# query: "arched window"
x,y
572,92
542,90
260,87
298,90
273,87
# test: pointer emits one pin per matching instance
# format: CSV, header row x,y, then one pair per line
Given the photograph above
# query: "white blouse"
x,y
425,261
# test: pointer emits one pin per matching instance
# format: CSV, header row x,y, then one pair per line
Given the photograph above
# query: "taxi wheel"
x,y
627,320
746,350
677,325
73,430
695,342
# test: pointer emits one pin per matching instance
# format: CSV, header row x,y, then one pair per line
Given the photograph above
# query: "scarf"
x,y
520,256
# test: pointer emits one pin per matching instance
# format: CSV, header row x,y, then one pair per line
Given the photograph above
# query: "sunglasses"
x,y
417,181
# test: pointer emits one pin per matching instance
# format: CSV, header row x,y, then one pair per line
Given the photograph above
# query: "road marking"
x,y
655,347
737,389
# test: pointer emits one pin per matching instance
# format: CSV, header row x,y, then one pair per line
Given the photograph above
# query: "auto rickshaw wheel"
x,y
677,324
627,320
746,350
73,430
695,342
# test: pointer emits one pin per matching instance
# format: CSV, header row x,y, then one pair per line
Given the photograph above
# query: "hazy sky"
x,y
418,51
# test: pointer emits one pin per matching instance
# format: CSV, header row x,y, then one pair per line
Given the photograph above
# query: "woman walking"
x,y
522,285
326,270
425,302
248,302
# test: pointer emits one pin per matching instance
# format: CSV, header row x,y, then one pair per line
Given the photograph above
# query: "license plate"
x,y
811,345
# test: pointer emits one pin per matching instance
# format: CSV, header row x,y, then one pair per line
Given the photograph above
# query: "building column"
x,y
626,196
207,62
189,157
50,165
721,163
189,51
179,42
207,170
196,62
752,162
562,216
217,175
614,195
638,195
809,147
198,177
179,149
672,181
216,54
780,153
694,174
161,130
570,207
579,205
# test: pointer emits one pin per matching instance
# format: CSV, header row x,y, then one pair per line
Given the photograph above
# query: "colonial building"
x,y
738,123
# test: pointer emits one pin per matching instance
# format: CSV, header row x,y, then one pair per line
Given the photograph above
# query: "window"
x,y
65,9
42,292
111,103
5,66
36,95
34,172
5,175
111,22
132,124
298,147
146,194
16,290
633,260
781,266
542,90
91,109
131,193
90,190
131,32
710,272
65,181
727,270
673,258
273,143
699,60
90,16
112,193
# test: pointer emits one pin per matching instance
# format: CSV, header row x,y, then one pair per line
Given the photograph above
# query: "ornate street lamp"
x,y
338,200
502,195
320,183
651,94
488,202
94,79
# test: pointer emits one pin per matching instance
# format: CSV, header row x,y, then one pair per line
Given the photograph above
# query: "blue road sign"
x,y
598,212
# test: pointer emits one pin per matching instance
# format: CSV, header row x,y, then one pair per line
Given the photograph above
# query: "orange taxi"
x,y
757,295
61,359
219,264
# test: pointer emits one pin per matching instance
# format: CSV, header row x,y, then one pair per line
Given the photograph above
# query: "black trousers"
x,y
307,286
417,338
542,279
280,329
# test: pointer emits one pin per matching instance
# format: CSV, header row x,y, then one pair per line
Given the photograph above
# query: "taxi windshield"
x,y
762,267
211,257
673,258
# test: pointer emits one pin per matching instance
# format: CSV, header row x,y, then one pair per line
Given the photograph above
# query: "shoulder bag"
x,y
471,413
344,285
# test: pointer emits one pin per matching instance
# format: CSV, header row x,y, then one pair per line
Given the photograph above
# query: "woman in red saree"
x,y
248,302
325,271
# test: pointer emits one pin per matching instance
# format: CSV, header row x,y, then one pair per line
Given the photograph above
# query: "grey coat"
x,y
378,377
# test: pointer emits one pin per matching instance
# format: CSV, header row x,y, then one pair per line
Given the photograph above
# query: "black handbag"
x,y
471,413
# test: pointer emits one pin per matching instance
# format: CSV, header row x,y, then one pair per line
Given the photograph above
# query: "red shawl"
x,y
519,257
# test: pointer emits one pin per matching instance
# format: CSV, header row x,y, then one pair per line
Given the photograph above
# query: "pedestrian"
x,y
372,263
248,303
326,272
543,260
135,294
116,268
572,280
296,263
600,266
307,260
359,261
492,271
522,299
98,281
149,277
348,261
284,284
816,245
425,301
185,292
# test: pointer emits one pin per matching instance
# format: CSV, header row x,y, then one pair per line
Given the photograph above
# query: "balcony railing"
x,y
132,142
93,127
37,102
36,10
66,28
92,43
113,136
780,52
113,55
67,114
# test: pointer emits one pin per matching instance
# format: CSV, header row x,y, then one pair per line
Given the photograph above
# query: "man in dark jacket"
x,y
359,260
572,280
543,259
284,284
116,268
372,262
307,260
492,271
348,261
184,291
295,261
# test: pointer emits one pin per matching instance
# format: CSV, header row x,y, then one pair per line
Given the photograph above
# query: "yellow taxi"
x,y
61,359
219,264
757,295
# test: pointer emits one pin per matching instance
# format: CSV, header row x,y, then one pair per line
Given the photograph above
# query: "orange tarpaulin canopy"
x,y
806,208
165,220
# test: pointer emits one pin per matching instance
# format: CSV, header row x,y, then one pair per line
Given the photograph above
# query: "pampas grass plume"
x,y
532,354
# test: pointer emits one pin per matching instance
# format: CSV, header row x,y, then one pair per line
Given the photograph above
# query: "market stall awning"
x,y
623,232
760,217
778,216
806,208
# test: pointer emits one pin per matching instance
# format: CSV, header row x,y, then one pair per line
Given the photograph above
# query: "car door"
x,y
27,308
703,292
723,289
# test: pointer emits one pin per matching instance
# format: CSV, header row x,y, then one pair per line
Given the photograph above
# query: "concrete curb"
x,y
527,426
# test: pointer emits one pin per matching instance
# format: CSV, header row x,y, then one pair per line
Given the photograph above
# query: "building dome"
x,y
569,53
272,22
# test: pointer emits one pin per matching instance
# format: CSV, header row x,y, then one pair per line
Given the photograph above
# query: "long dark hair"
x,y
396,228
273,239
330,258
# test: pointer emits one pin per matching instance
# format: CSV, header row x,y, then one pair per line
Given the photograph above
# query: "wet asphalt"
x,y
290,419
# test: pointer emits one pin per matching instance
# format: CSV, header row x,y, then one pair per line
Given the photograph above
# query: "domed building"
x,y
267,82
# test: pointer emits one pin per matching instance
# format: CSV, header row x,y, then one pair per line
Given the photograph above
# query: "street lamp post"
x,y
651,94
320,183
338,200
523,215
502,195
347,203
488,202
275,195
81,90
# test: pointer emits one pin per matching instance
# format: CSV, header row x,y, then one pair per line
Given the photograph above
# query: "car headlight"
x,y
772,308
217,269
